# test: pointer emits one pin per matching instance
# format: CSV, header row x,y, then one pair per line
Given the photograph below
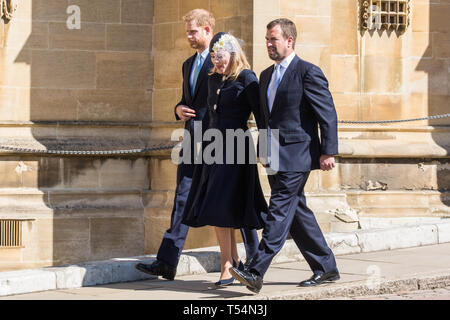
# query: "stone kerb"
x,y
204,260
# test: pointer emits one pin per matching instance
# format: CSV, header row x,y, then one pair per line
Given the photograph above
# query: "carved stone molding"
x,y
7,8
385,14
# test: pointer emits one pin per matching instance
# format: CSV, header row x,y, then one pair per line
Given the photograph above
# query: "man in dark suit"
x,y
193,110
295,101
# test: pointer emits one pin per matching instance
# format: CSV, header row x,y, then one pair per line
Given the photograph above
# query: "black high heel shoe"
x,y
227,282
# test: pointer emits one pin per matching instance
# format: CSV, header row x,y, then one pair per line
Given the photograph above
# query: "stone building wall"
x,y
75,89
113,84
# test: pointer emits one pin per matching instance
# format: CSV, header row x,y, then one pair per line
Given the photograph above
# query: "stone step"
x,y
206,260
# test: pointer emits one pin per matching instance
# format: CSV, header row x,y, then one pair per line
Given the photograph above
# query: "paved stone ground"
x,y
436,294
392,273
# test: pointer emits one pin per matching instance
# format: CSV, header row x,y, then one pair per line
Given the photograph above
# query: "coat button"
x,y
218,91
215,107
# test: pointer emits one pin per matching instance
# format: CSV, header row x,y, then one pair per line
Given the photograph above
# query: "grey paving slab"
x,y
49,295
423,254
281,280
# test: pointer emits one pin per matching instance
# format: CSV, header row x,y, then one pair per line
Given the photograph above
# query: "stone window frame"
x,y
385,15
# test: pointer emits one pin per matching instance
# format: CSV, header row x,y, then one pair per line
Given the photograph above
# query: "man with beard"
x,y
193,109
295,100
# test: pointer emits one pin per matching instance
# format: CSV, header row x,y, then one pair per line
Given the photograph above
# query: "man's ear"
x,y
208,29
291,42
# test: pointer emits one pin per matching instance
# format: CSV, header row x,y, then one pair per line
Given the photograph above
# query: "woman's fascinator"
x,y
224,41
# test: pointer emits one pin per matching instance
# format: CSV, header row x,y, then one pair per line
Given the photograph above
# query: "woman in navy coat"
x,y
226,191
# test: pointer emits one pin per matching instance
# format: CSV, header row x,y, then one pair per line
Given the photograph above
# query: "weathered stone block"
x,y
30,173
168,64
24,11
347,105
344,18
52,104
10,177
10,255
313,30
385,107
187,5
16,67
2,34
116,237
438,104
438,17
245,7
26,34
441,45
225,8
124,71
429,75
81,173
383,73
166,11
164,36
103,11
165,101
89,200
89,37
356,175
16,282
48,10
63,69
349,66
114,105
69,277
163,173
343,243
420,17
267,8
137,11
157,221
421,45
396,238
316,54
124,174
444,232
301,8
50,173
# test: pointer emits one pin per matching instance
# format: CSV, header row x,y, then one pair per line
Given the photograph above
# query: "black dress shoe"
x,y
317,279
158,268
252,281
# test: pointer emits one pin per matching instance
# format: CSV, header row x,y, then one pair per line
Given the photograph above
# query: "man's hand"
x,y
184,112
327,162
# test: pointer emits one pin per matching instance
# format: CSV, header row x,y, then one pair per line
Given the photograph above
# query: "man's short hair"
x,y
201,16
287,27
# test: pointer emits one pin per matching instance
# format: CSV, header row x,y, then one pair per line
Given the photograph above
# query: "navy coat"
x,y
227,193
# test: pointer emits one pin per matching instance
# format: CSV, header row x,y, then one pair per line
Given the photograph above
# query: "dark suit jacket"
x,y
198,102
302,102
